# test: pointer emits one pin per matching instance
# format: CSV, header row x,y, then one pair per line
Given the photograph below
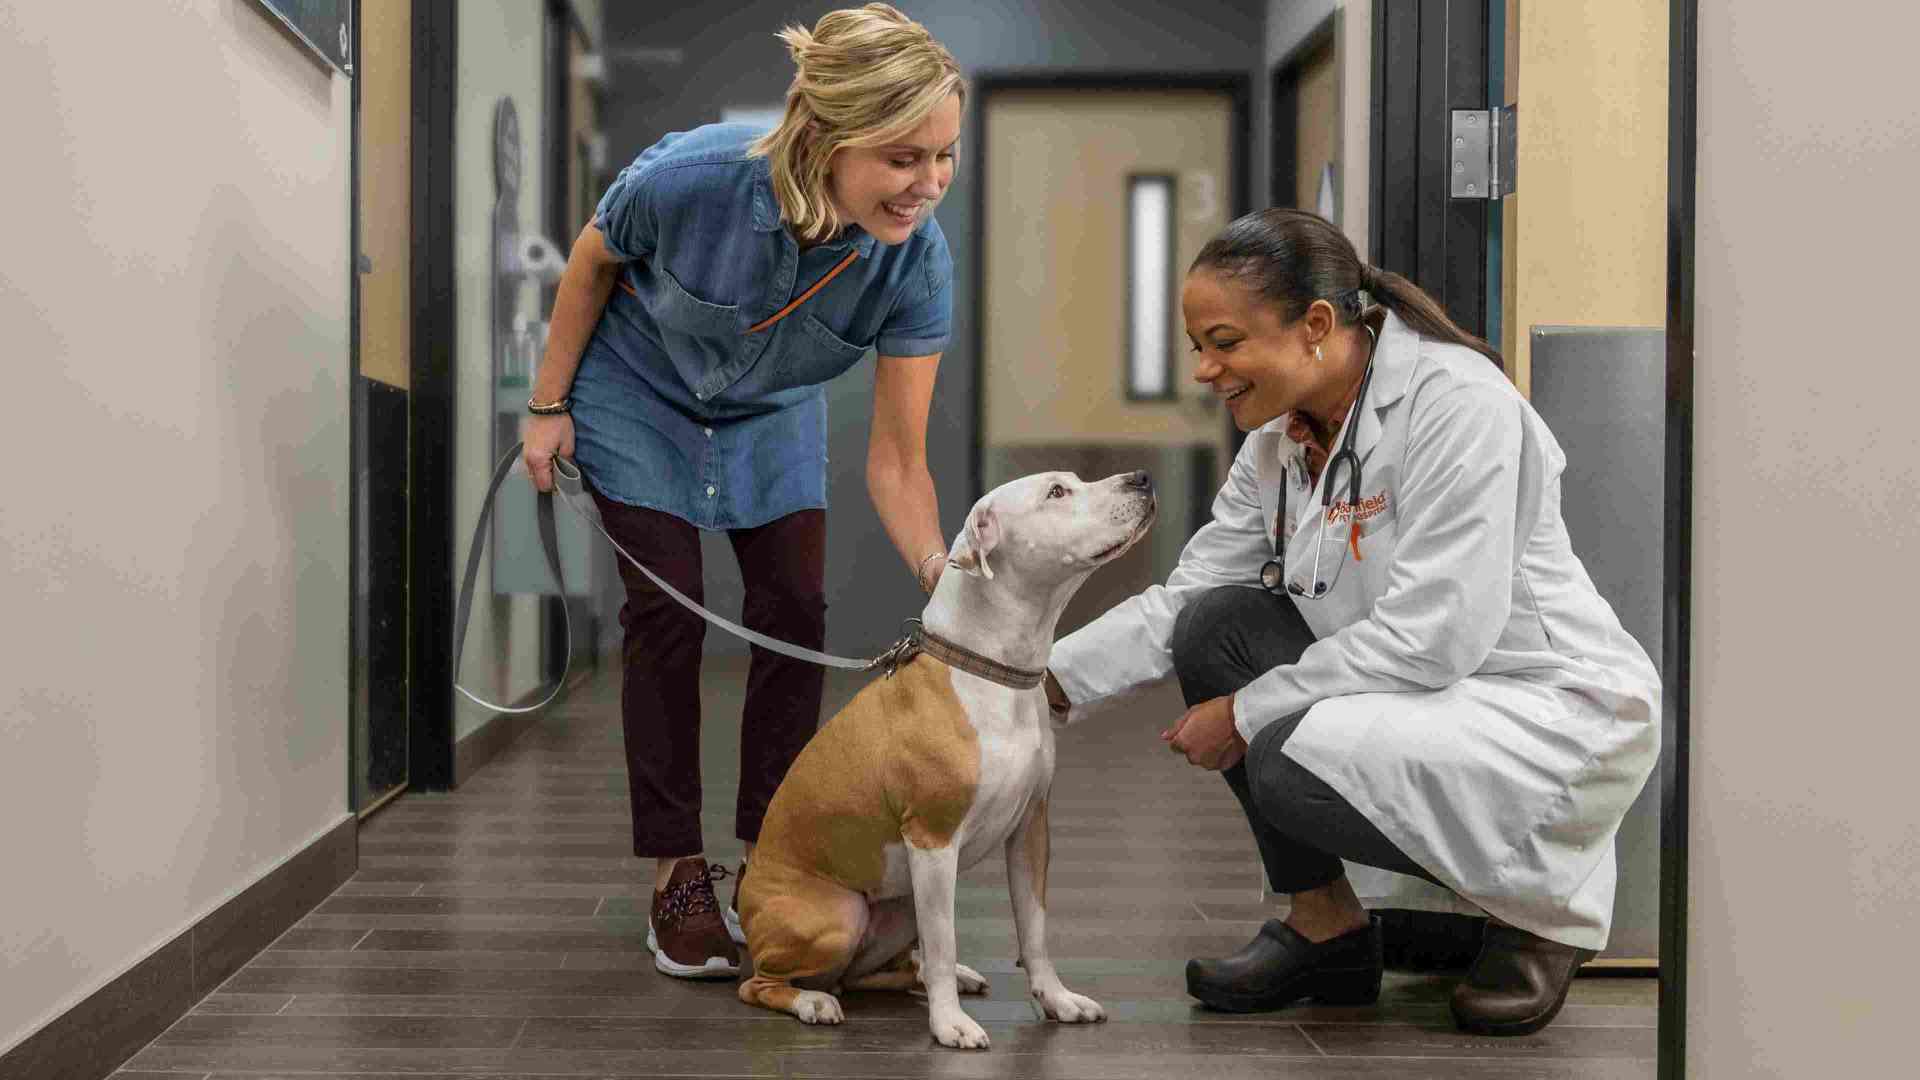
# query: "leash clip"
x,y
901,651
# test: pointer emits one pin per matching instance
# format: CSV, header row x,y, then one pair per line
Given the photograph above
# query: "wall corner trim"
x,y
103,1030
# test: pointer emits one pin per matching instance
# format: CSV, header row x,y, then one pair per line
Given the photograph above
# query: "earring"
x,y
1317,357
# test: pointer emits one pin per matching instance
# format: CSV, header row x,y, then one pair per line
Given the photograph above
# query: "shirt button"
x,y
709,491
709,432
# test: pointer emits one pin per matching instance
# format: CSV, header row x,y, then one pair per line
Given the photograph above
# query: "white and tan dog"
x,y
931,769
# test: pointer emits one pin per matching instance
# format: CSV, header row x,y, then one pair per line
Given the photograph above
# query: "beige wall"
x,y
1317,124
1585,232
1354,29
1057,272
501,48
1805,843
385,70
174,300
1289,24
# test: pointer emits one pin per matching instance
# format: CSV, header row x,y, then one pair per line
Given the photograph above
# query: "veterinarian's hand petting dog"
x,y
1206,735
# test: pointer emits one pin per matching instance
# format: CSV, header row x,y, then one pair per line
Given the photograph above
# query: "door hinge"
x,y
1484,145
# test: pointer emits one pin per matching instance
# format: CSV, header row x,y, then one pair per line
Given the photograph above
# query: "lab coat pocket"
x,y
1379,535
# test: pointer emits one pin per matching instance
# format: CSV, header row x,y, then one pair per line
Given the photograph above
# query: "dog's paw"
x,y
1069,1008
969,980
814,1007
958,1031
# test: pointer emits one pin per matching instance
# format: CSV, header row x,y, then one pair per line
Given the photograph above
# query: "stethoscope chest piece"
x,y
1273,575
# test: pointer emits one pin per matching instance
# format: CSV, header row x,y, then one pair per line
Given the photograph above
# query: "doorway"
x,y
382,333
1306,126
1095,196
1562,269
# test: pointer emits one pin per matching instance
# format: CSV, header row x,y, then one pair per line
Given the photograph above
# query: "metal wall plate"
x,y
1602,391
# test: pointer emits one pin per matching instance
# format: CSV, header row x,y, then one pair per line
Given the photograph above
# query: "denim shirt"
x,y
675,407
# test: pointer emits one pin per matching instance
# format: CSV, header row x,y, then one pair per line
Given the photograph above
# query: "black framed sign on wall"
x,y
325,26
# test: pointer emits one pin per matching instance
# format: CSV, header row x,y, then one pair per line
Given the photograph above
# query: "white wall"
x,y
1805,843
173,301
500,52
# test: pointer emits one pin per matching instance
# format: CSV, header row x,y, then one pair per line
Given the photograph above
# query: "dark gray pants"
x,y
1223,641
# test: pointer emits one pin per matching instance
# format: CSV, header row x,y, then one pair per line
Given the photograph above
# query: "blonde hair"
x,y
862,76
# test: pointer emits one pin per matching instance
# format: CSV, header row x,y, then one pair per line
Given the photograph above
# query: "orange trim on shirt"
x,y
785,311
805,296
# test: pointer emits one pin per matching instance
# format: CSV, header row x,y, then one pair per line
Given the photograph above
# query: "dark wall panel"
x,y
1430,58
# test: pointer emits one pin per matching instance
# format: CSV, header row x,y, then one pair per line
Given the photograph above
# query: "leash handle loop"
x,y
570,486
550,541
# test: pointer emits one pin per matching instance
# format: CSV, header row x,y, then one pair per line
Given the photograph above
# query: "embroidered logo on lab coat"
x,y
1370,508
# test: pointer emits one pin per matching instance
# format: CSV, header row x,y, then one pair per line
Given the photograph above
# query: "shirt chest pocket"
x,y
678,309
804,352
829,351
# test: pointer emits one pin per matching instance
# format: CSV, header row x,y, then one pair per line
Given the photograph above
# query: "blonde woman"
x,y
726,276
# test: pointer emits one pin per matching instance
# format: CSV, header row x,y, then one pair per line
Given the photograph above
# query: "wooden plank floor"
x,y
500,931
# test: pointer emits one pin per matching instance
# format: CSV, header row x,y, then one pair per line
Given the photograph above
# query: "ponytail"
x,y
1419,310
1293,258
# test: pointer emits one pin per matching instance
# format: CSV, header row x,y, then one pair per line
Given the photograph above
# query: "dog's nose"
x,y
1139,479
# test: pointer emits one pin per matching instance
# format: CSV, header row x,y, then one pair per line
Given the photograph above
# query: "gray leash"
x,y
567,482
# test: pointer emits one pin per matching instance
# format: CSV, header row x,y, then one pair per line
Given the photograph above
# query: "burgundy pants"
x,y
783,565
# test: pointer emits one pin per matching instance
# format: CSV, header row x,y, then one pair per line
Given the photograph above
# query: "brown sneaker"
x,y
732,914
686,932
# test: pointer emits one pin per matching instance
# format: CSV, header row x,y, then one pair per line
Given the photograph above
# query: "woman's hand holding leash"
x,y
546,436
1206,735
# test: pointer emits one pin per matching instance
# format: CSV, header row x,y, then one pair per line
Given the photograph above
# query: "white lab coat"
x,y
1469,691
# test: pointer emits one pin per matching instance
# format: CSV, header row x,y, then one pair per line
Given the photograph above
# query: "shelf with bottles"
x,y
520,352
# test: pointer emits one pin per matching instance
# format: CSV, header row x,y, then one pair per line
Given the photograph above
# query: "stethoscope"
x,y
1273,572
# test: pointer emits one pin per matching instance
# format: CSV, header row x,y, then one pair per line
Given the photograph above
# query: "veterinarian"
x,y
726,275
1384,637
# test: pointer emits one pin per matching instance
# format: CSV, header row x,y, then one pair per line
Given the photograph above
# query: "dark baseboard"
x,y
488,741
481,745
92,1039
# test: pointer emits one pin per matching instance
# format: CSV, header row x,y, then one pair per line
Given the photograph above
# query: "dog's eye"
x,y
1056,492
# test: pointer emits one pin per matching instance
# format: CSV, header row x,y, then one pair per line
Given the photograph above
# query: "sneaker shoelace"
x,y
693,896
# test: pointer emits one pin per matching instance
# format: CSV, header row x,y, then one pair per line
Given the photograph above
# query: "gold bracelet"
x,y
920,572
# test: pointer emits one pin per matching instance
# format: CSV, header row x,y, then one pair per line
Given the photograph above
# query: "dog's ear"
x,y
979,538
